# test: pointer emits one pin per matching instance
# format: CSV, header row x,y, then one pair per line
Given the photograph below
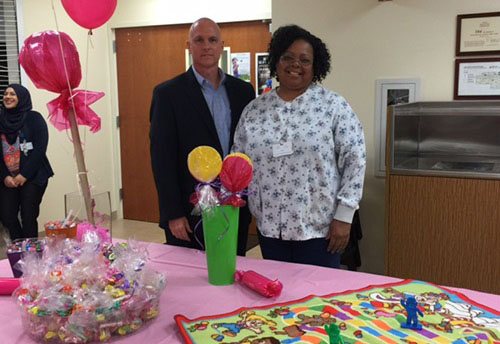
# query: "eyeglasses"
x,y
289,59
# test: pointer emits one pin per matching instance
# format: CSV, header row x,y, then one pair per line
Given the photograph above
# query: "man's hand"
x,y
180,228
10,182
20,180
338,236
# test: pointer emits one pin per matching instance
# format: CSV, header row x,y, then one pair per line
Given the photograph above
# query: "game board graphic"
x,y
369,315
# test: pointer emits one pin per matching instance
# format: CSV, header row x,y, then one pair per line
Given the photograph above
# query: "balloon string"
x,y
89,43
55,16
89,46
194,233
67,78
63,60
220,236
57,28
223,234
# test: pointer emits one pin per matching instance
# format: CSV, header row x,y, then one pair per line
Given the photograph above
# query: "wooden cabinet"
x,y
444,230
443,226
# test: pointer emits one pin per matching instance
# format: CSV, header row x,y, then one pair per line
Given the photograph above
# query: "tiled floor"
x,y
143,231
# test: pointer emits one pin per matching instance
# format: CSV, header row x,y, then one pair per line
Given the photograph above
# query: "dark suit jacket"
x,y
34,165
181,121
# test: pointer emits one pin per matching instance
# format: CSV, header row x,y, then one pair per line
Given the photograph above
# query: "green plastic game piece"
x,y
333,332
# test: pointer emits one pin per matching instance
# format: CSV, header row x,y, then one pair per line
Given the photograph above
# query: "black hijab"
x,y
12,120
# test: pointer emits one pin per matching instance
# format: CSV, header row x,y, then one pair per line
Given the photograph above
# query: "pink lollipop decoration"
x,y
46,56
235,175
51,61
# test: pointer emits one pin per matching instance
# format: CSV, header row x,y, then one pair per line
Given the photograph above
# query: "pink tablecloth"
x,y
189,293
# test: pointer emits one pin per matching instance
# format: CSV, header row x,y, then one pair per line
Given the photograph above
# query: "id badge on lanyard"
x,y
25,146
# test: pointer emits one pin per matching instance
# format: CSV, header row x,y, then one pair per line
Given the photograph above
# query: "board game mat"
x,y
369,315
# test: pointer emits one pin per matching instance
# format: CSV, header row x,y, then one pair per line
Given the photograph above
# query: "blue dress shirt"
x,y
218,104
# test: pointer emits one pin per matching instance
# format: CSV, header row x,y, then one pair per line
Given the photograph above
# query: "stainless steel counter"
x,y
452,166
456,139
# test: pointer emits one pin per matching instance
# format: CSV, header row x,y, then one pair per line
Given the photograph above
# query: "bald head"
x,y
203,22
205,44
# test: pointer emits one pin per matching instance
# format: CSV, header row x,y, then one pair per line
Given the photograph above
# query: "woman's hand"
x,y
338,236
10,182
20,180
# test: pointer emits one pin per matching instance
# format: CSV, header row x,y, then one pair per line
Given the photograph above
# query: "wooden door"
x,y
146,57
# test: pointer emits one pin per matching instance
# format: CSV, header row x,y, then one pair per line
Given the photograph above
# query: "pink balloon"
x,y
42,60
90,14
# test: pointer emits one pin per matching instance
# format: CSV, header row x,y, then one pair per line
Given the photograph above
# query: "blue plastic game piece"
x,y
411,311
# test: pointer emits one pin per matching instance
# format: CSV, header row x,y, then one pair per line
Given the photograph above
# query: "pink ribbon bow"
x,y
59,109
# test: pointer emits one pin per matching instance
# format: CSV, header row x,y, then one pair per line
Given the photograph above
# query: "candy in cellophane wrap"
x,y
262,285
89,232
17,248
81,292
204,163
235,175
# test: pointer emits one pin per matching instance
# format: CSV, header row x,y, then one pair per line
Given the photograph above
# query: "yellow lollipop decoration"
x,y
204,163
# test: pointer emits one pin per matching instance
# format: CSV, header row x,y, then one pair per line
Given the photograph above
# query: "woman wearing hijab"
x,y
24,167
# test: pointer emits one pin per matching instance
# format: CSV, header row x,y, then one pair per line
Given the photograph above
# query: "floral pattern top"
x,y
296,196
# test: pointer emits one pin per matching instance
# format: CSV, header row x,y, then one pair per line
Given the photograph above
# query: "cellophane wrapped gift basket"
x,y
87,291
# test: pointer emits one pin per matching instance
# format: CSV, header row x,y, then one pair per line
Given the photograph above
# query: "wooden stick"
x,y
80,163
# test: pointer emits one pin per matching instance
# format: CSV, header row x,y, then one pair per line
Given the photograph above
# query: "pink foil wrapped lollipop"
x,y
259,283
235,175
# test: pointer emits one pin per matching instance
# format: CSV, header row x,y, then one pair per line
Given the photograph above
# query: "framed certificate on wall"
x,y
477,78
478,34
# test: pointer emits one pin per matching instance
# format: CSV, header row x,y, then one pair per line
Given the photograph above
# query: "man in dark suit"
x,y
199,107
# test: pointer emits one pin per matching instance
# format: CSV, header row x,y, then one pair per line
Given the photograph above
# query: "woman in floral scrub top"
x,y
308,151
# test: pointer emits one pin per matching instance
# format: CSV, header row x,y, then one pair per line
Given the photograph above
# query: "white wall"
x,y
102,149
369,39
160,12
